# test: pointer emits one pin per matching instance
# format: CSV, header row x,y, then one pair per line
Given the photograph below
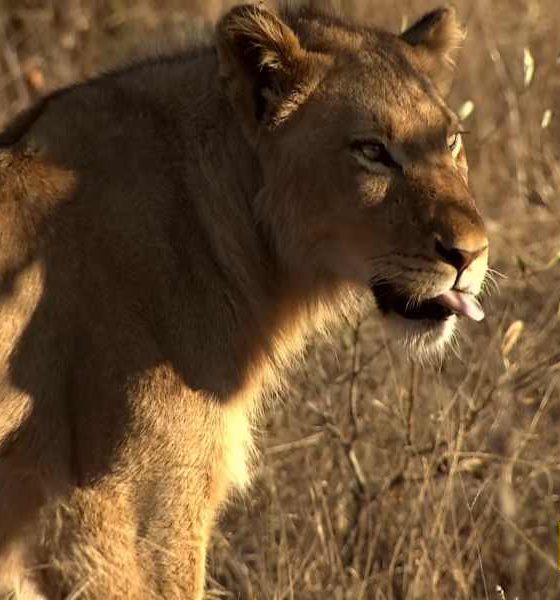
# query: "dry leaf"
x,y
36,78
511,336
465,110
528,67
546,118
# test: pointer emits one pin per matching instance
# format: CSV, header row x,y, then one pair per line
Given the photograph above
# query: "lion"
x,y
171,234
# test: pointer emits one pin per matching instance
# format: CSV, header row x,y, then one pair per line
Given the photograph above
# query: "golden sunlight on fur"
x,y
172,233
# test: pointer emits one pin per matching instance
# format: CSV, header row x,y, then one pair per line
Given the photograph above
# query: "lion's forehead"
x,y
396,112
379,94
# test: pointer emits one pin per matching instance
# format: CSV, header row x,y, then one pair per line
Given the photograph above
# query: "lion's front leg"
x,y
117,541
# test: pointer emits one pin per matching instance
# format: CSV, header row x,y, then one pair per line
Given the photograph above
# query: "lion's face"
x,y
365,172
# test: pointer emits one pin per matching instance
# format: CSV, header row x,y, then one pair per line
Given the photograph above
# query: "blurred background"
x,y
379,479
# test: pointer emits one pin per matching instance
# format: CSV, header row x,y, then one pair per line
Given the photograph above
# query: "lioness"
x,y
170,233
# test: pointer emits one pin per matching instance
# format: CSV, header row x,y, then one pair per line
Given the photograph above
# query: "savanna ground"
x,y
380,479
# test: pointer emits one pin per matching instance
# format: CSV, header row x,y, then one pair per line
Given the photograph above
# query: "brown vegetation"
x,y
380,479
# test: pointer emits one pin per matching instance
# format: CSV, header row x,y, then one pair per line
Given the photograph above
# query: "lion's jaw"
x,y
426,321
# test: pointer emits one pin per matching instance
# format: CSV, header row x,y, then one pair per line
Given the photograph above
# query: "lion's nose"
x,y
459,257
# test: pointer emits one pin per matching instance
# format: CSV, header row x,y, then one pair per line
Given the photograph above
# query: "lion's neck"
x,y
257,314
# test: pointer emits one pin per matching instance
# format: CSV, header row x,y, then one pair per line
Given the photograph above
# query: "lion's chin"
x,y
424,339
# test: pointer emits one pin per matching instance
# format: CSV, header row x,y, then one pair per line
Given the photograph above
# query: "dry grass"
x,y
380,479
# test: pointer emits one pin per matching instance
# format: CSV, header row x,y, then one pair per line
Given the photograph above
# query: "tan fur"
x,y
170,235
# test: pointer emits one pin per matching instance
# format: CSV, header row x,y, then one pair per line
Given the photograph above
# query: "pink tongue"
x,y
462,304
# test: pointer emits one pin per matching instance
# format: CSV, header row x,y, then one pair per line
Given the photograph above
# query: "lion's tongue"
x,y
462,304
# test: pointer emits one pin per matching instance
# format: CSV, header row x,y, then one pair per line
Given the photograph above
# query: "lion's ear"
x,y
262,64
436,37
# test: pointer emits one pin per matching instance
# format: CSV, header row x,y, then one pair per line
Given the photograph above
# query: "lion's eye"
x,y
372,152
454,143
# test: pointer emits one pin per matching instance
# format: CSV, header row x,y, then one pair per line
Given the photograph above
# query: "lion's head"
x,y
362,158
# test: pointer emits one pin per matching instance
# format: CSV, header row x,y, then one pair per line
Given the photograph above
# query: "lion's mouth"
x,y
439,308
